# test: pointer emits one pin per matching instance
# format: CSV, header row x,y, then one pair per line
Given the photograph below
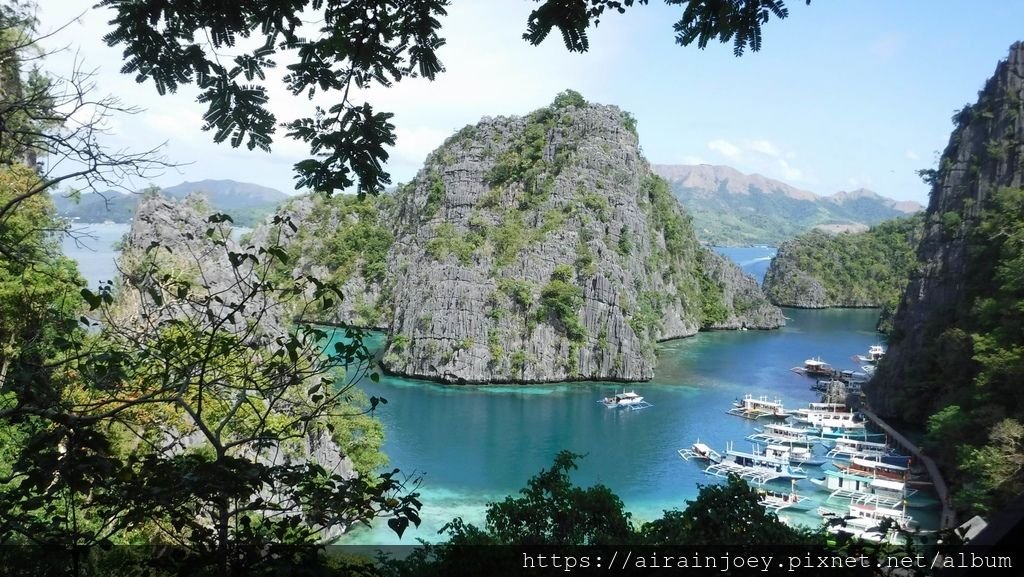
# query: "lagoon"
x,y
477,444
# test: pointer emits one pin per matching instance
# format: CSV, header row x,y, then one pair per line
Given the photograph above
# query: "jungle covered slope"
x,y
868,269
527,249
956,356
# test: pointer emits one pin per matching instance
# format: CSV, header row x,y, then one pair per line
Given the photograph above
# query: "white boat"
x,y
860,489
759,408
874,469
796,455
867,521
780,434
629,400
700,452
832,416
848,448
815,368
756,467
775,501
875,354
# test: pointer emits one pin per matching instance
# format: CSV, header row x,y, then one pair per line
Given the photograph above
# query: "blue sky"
x,y
844,94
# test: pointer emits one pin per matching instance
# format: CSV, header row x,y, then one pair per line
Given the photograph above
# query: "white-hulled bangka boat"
x,y
865,522
781,434
796,455
832,416
875,354
629,400
775,501
874,469
755,467
848,448
859,489
815,368
759,408
849,431
701,452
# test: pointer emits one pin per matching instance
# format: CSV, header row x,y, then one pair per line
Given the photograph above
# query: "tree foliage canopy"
x,y
227,49
736,21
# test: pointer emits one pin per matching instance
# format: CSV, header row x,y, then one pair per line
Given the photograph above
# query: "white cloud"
x,y
765,147
790,172
911,155
725,148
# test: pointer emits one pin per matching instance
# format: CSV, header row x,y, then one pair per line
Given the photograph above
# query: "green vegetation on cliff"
x,y
868,269
956,357
967,383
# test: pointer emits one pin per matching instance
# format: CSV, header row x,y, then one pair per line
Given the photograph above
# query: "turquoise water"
x,y
476,444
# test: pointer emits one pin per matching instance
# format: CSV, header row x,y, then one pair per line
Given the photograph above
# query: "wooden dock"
x,y
948,519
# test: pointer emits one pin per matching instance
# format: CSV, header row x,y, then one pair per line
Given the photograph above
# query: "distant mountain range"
x,y
247,203
730,208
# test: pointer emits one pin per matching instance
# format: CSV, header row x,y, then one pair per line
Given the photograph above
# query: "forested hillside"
x,y
868,269
956,357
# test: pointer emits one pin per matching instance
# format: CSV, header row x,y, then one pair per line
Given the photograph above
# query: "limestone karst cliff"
x,y
527,249
174,244
929,358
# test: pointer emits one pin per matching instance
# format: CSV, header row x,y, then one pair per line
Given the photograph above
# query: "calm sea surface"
x,y
477,444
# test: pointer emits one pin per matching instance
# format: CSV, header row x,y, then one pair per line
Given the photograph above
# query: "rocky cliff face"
x,y
983,155
542,248
787,284
177,239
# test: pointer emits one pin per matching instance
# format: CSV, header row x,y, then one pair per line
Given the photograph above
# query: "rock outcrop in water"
x,y
984,155
528,249
866,269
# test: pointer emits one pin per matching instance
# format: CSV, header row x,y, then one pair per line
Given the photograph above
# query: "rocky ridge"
x,y
984,154
177,239
730,208
532,249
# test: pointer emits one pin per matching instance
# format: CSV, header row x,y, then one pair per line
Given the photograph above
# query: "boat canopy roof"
x,y
887,484
876,464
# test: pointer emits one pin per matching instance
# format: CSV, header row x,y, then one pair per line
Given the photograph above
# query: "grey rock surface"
x,y
543,248
968,177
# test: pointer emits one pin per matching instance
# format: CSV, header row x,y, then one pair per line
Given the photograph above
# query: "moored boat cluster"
x,y
856,479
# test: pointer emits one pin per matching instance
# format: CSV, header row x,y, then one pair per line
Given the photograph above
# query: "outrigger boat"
x,y
864,522
759,408
775,501
850,431
847,448
860,489
700,452
629,400
797,456
815,368
781,434
757,468
830,417
874,469
875,354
